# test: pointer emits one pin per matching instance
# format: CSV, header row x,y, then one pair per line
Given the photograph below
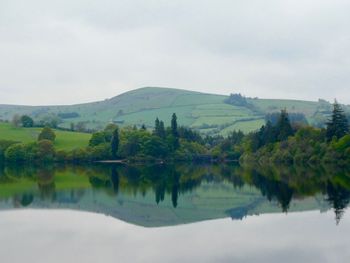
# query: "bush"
x,y
97,138
47,134
16,153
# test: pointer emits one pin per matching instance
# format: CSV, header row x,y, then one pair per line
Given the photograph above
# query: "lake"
x,y
174,213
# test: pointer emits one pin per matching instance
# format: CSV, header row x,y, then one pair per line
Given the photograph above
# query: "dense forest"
x,y
285,138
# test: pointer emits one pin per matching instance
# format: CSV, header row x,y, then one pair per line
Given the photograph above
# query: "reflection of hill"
x,y
163,196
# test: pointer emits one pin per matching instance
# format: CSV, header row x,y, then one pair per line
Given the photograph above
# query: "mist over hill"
x,y
208,113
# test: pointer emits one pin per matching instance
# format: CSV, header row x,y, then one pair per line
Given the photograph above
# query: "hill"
x,y
209,113
65,140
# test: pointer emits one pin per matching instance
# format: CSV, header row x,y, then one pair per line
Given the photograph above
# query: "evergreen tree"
x,y
174,130
161,129
338,125
284,127
115,143
156,127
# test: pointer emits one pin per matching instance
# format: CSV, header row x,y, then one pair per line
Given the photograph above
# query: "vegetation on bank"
x,y
283,139
288,144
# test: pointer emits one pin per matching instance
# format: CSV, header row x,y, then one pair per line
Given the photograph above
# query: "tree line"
x,y
280,140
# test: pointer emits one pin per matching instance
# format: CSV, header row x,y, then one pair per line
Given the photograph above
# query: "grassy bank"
x,y
65,140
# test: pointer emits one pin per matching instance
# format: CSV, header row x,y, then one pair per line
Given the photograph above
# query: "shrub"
x,y
15,153
47,134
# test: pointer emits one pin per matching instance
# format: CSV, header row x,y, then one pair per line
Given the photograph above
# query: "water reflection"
x,y
161,195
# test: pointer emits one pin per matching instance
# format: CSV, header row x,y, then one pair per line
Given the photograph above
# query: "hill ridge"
x,y
208,113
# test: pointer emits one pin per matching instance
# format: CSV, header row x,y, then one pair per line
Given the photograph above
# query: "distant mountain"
x,y
209,113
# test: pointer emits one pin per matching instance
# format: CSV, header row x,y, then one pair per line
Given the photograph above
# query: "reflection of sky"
x,y
67,236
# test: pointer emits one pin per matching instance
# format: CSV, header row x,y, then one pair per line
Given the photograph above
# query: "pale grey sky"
x,y
64,52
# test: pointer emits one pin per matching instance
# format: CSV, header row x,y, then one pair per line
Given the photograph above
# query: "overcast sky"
x,y
72,51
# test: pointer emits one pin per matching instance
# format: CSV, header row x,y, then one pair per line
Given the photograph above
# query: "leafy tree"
x,y
115,142
47,134
27,121
338,125
97,138
16,153
45,151
156,147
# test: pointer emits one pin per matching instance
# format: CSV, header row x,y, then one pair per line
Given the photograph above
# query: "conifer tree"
x,y
156,127
161,129
284,127
338,125
174,130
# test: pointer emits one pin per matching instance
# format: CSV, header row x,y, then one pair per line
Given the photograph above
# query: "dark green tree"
x,y
27,121
97,138
174,130
159,129
338,125
284,127
174,137
156,126
156,147
162,132
47,134
115,143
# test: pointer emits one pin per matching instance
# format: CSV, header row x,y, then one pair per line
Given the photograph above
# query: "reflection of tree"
x,y
171,181
115,179
175,189
46,183
27,199
231,174
339,198
273,190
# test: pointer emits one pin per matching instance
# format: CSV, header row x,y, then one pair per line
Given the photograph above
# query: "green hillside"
x,y
206,112
65,140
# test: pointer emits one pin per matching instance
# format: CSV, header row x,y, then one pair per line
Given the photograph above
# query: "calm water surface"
x,y
178,213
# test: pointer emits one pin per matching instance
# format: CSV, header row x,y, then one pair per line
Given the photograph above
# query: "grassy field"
x,y
65,140
206,112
